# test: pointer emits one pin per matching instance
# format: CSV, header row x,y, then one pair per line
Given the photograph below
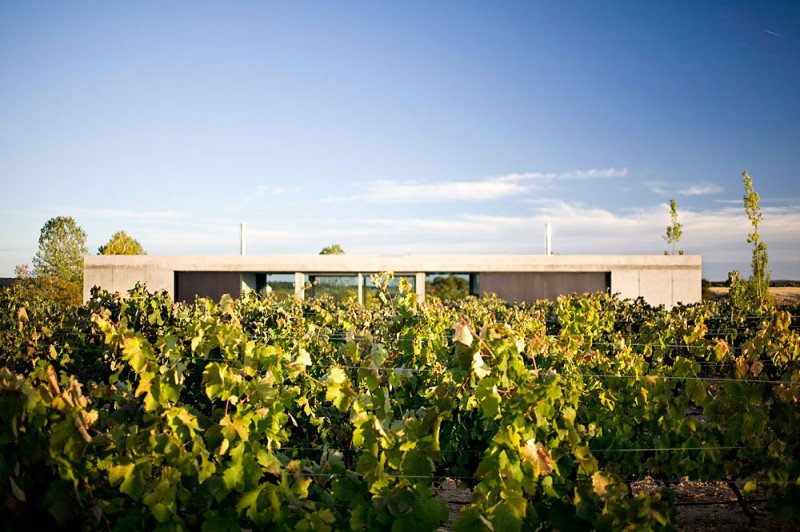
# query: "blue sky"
x,y
446,127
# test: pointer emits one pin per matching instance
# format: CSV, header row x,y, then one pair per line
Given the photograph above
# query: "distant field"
x,y
783,295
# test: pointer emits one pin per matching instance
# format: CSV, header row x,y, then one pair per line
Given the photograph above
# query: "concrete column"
x,y
360,281
420,286
248,282
299,281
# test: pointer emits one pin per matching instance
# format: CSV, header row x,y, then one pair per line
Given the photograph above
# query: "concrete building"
x,y
659,279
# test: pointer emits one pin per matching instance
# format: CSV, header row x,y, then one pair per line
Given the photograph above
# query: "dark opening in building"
x,y
530,286
192,285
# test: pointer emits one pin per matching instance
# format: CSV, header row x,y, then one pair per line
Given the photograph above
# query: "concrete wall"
x,y
667,287
121,275
660,279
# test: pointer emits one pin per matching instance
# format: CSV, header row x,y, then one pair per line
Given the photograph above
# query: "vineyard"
x,y
139,413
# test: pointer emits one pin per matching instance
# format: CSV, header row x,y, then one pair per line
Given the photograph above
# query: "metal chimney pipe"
x,y
548,239
241,239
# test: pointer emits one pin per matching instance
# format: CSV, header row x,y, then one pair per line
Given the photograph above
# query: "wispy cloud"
x,y
393,191
593,173
127,214
264,190
700,190
663,188
776,34
657,187
729,201
284,190
490,188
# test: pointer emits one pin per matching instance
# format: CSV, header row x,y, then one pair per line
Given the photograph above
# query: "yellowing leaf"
x,y
233,426
463,335
303,358
22,316
132,352
534,453
480,369
600,484
196,341
607,485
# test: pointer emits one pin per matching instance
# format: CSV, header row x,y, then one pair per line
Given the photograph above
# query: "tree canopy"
x,y
121,243
759,280
334,249
450,288
62,245
674,231
752,295
58,263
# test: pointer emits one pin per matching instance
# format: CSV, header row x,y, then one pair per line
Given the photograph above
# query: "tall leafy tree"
x,y
59,261
751,295
121,243
760,278
674,231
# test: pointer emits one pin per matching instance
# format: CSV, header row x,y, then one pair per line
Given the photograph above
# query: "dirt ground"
x,y
701,506
708,506
783,295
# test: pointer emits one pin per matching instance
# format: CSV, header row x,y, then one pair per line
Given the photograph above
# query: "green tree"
x,y
705,288
121,243
758,286
58,264
334,249
448,288
674,231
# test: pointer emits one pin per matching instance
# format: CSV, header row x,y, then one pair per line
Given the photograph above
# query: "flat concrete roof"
x,y
397,263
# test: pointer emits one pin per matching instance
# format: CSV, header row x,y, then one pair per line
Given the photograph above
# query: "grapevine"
x,y
139,412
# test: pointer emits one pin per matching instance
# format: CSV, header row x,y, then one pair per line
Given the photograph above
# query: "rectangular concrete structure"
x,y
660,279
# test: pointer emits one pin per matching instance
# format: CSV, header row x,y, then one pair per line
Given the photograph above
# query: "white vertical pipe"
x,y
548,238
241,239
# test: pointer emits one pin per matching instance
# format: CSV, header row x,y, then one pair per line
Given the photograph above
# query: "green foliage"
x,y
706,292
450,288
758,286
266,413
751,296
334,249
62,245
121,243
674,231
58,264
43,287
